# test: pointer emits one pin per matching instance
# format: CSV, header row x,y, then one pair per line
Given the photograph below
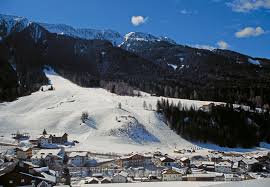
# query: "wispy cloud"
x,y
201,46
249,5
188,12
250,32
138,20
219,45
222,44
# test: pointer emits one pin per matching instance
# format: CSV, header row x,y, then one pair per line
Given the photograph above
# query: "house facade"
x,y
166,161
50,157
23,153
78,158
248,163
223,167
171,175
120,177
46,139
135,160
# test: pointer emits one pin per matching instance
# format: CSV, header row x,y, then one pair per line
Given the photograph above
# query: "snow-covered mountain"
x,y
140,36
9,24
114,37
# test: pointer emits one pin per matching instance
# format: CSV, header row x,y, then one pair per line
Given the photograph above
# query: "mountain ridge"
x,y
149,64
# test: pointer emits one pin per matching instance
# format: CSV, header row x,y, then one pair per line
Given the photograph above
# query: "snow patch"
x,y
133,130
139,36
254,62
173,66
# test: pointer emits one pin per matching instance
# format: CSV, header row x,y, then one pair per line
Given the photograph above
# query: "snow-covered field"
x,y
249,183
130,128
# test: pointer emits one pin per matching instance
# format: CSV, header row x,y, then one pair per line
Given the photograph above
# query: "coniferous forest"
x,y
223,125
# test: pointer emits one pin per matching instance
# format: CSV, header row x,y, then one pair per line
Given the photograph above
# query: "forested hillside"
x,y
223,125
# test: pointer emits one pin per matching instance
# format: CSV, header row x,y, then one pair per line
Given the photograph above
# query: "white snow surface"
x,y
173,66
247,183
13,23
108,128
114,37
254,62
140,36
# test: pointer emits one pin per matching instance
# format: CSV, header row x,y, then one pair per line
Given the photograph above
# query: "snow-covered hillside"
x,y
114,37
108,129
9,24
139,36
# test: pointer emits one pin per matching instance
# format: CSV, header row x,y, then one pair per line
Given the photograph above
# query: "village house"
x,y
248,163
208,166
120,177
59,138
23,153
135,160
166,161
46,139
232,177
106,164
78,158
235,167
171,175
223,167
200,177
219,177
24,174
48,157
184,161
215,157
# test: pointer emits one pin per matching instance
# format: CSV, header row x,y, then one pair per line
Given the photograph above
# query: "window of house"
x,y
22,180
10,182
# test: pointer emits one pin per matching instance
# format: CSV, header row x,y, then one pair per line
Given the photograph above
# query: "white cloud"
x,y
249,32
249,5
200,46
138,20
188,12
222,44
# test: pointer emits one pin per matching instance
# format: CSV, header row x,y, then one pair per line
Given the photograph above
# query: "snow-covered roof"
x,y
30,164
131,156
235,165
183,159
169,172
45,152
250,161
23,148
44,136
223,164
208,163
46,177
80,154
166,159
202,175
122,173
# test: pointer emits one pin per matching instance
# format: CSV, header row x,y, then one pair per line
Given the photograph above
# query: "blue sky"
x,y
240,25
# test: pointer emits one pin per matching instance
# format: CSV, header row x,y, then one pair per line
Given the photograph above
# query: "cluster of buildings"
x,y
42,166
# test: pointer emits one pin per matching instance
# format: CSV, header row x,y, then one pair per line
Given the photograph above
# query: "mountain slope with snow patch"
x,y
108,129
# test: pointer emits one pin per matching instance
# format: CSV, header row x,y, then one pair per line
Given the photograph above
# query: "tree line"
x,y
223,125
